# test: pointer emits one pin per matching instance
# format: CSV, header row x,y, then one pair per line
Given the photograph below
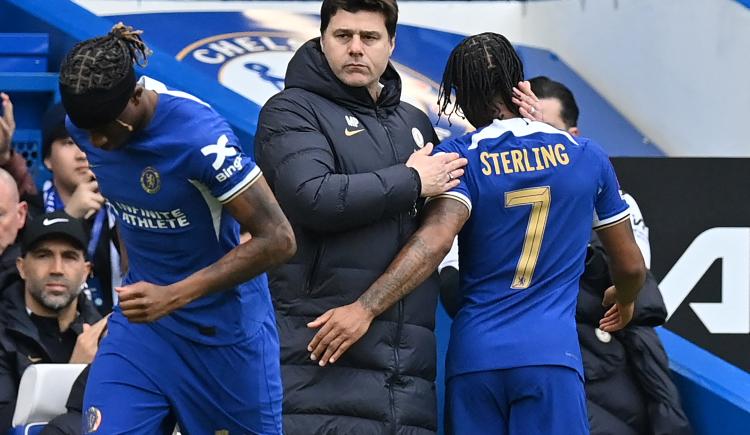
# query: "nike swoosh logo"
x,y
353,132
47,222
34,360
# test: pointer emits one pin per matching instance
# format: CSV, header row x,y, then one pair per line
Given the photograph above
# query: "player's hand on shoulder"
x,y
145,302
437,173
87,343
618,315
85,201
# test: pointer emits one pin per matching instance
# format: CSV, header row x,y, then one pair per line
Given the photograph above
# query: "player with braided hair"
x,y
523,214
193,339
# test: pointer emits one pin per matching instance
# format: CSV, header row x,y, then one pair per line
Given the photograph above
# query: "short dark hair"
x,y
388,8
97,76
53,128
480,70
544,87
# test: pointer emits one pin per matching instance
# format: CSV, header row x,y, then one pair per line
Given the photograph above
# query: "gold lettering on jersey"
x,y
524,160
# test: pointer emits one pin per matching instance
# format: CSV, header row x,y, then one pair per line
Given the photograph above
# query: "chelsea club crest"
x,y
150,180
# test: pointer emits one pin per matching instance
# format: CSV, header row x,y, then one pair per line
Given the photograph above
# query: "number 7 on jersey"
x,y
539,200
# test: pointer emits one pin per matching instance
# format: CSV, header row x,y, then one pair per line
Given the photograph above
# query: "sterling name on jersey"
x,y
167,186
531,190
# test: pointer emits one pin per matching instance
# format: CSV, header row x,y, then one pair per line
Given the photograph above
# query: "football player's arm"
x,y
625,260
272,243
299,161
628,274
341,327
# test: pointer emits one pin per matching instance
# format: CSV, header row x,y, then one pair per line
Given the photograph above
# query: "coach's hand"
x,y
340,328
619,315
437,173
145,302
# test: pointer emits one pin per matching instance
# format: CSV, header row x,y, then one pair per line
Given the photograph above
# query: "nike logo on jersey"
x,y
221,151
47,222
34,359
353,132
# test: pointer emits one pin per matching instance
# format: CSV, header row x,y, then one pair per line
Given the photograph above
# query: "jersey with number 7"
x,y
534,194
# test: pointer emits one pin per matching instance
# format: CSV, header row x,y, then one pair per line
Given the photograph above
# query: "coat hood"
x,y
309,70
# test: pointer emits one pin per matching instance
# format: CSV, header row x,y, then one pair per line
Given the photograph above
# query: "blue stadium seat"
x,y
24,76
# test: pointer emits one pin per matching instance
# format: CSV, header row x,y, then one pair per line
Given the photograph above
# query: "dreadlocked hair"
x,y
481,70
100,63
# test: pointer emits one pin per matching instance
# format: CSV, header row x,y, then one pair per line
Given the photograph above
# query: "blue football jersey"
x,y
167,186
532,191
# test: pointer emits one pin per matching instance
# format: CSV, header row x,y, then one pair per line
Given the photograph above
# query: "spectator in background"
x,y
628,387
11,161
74,189
12,219
338,148
44,318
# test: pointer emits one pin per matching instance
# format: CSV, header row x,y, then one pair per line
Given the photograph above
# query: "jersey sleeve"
x,y
609,206
460,193
218,161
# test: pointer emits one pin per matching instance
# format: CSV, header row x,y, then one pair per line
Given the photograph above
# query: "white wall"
x,y
679,70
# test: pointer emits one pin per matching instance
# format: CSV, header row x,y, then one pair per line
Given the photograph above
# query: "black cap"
x,y
55,224
53,128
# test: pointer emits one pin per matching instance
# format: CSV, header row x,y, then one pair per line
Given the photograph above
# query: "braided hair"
x,y
480,70
101,62
97,75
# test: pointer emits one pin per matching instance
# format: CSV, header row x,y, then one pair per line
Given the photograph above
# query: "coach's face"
x,y
357,48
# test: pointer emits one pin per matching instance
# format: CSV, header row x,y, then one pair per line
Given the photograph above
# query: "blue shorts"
x,y
533,400
145,379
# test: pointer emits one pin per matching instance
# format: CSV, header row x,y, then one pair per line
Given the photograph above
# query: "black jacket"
x,y
628,385
20,345
335,161
8,270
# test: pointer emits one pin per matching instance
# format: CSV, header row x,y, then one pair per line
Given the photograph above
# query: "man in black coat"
x,y
337,146
45,318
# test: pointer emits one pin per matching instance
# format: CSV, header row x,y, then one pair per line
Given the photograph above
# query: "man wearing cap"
x,y
74,189
45,318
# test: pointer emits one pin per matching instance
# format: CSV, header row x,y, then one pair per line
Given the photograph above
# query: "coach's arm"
x,y
272,243
299,161
341,327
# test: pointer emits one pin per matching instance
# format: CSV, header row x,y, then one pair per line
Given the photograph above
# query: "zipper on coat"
x,y
313,272
396,378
